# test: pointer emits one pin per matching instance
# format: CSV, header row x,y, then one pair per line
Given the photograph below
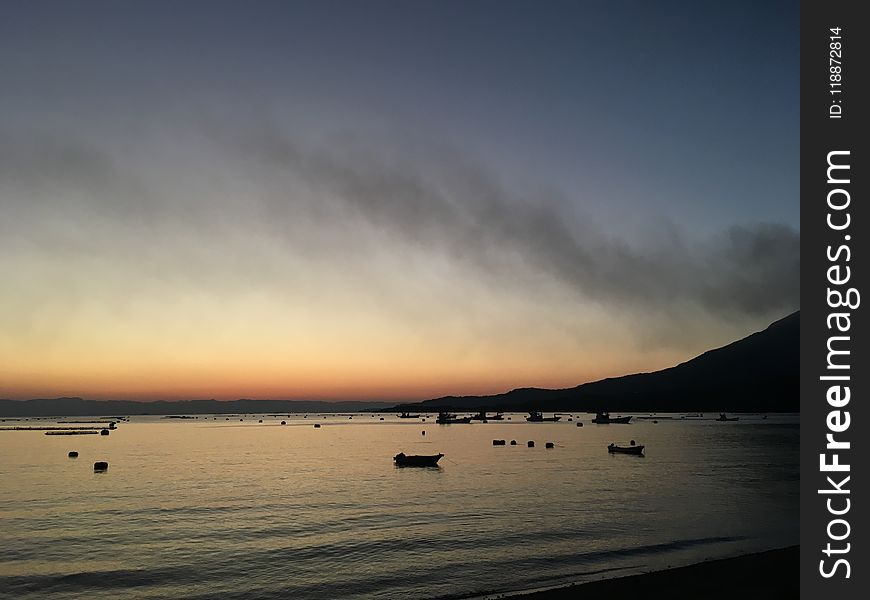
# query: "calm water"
x,y
214,508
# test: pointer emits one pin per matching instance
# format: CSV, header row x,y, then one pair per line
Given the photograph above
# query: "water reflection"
x,y
238,508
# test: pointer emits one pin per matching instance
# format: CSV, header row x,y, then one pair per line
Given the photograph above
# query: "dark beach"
x,y
770,575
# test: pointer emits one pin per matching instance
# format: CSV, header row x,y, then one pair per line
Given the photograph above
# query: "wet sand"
x,y
770,575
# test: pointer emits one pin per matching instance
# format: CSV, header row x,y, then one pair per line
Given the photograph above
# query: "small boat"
x,y
538,417
604,418
723,417
405,415
632,449
446,418
404,460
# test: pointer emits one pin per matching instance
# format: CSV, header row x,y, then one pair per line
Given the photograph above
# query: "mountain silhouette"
x,y
80,407
759,373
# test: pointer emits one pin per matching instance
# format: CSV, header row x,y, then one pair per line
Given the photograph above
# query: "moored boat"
x,y
723,417
413,460
604,418
538,417
406,415
446,418
631,449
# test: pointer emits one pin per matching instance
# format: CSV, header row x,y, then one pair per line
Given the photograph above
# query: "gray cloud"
x,y
444,203
335,201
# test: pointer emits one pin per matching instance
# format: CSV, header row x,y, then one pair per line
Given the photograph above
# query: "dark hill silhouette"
x,y
81,407
758,373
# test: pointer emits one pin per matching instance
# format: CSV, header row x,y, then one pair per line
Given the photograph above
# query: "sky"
x,y
384,199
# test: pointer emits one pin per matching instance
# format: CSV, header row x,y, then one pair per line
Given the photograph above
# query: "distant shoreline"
x,y
772,575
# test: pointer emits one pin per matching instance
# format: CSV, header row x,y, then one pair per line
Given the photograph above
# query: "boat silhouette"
x,y
604,418
537,417
446,418
413,460
631,449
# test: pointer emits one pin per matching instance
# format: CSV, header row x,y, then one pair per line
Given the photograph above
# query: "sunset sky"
x,y
393,200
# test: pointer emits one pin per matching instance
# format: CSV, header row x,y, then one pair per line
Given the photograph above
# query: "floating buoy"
x,y
656,422
423,433
531,444
283,422
261,420
579,424
101,466
570,419
241,419
498,442
317,426
549,445
104,432
73,454
382,418
513,442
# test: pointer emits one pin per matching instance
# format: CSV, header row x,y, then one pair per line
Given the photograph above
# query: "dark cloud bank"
x,y
429,200
448,204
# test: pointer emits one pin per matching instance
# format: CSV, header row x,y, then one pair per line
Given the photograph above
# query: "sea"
x,y
243,507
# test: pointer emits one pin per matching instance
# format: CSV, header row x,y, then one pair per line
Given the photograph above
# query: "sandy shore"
x,y
770,575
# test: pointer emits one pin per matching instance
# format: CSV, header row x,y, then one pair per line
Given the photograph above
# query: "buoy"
x,y
498,442
631,442
382,418
261,420
73,454
101,466
513,442
423,433
550,445
283,422
656,422
241,419
570,419
531,444
317,426
104,432
579,424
